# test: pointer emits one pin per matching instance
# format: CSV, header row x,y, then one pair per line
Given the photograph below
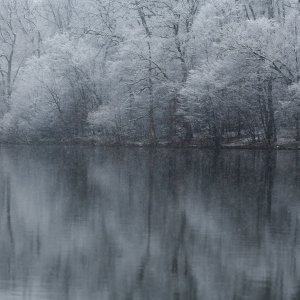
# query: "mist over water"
x,y
89,223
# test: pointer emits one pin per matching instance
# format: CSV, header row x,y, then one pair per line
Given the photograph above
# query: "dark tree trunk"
x,y
271,132
297,121
270,9
172,120
188,131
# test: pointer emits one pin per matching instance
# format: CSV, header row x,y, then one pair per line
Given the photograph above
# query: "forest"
x,y
182,72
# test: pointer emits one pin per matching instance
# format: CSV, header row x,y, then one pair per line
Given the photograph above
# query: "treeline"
x,y
178,71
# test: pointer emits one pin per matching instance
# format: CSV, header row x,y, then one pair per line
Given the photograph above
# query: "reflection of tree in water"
x,y
8,253
7,196
152,224
183,284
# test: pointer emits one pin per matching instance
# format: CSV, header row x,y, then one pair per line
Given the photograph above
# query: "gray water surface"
x,y
85,223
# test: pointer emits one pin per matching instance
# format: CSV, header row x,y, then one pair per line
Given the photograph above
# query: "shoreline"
x,y
160,144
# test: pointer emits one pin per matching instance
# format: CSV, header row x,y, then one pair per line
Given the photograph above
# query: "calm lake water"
x,y
94,224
